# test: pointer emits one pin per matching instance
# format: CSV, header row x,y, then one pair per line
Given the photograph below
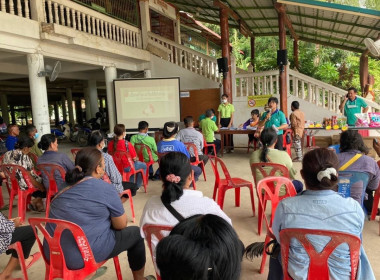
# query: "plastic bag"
x,y
361,120
374,119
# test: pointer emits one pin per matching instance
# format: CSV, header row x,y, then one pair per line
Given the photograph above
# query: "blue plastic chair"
x,y
353,184
335,148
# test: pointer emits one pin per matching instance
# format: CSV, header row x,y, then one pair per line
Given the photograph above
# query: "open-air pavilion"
x,y
97,46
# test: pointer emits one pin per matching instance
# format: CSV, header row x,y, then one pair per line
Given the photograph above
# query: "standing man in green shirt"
x,y
226,118
143,138
276,119
352,105
209,128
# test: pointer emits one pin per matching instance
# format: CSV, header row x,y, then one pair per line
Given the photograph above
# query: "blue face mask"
x,y
36,135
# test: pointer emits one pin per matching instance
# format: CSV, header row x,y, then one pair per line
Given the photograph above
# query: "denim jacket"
x,y
325,210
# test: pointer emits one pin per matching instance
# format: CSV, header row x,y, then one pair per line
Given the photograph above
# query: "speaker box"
x,y
222,64
282,57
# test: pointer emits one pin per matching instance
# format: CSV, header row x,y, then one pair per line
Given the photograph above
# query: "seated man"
x,y
191,135
352,145
209,128
143,138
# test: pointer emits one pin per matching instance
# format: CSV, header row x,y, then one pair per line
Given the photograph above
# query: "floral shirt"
x,y
18,158
7,227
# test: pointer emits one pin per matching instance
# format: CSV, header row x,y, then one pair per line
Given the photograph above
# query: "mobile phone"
x,y
347,95
377,141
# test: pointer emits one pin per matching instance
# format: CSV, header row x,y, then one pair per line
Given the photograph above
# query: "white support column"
x,y
145,22
111,74
38,94
69,97
37,9
177,29
147,73
4,108
87,102
93,90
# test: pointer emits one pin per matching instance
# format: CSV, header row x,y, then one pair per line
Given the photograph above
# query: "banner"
x,y
258,100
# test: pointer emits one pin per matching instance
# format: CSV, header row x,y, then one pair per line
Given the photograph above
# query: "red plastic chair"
x,y
376,200
191,146
155,230
265,186
21,259
23,195
119,157
56,267
267,169
33,157
318,267
127,192
206,145
222,185
74,152
50,170
140,149
160,155
287,147
254,142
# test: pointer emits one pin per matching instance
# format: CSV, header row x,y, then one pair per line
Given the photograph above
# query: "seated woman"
x,y
169,143
252,123
119,144
175,171
353,147
96,207
49,144
97,141
11,232
201,247
320,207
19,156
268,153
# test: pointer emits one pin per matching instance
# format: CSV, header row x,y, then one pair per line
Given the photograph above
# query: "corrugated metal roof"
x,y
330,24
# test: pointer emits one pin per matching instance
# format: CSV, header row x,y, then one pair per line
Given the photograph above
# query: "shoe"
x,y
35,258
232,150
297,159
150,277
100,272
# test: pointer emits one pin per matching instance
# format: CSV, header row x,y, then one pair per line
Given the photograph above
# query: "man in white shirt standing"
x,y
191,135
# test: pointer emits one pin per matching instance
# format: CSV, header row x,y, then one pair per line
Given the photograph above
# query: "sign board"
x,y
184,94
163,8
258,100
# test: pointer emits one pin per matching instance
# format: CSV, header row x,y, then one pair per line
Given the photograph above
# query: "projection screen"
x,y
155,100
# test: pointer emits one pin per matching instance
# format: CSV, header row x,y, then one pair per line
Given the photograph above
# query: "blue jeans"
x,y
138,165
197,172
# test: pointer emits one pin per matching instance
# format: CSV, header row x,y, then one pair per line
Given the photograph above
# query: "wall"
x,y
189,80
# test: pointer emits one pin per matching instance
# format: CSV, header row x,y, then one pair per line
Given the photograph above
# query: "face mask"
x,y
224,100
36,135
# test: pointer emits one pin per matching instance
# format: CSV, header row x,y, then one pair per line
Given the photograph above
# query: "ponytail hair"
x,y
86,161
267,138
46,141
170,129
118,130
316,163
175,168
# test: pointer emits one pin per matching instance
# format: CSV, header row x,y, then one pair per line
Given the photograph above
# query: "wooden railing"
x,y
302,86
187,58
18,8
78,17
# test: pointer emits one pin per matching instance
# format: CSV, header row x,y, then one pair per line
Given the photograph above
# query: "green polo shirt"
x,y
277,119
143,138
353,107
208,128
226,110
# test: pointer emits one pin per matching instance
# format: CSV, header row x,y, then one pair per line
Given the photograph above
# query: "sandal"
x,y
35,258
150,277
99,272
31,207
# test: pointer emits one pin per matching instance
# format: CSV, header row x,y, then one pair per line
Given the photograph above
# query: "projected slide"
x,y
153,100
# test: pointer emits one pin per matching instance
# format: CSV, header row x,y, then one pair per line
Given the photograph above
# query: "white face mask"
x,y
224,100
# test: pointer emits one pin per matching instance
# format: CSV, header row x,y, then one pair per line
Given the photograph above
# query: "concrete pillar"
x,y
145,22
4,108
111,74
38,94
225,39
283,70
13,115
87,103
177,29
69,97
93,97
101,103
78,111
64,108
56,113
147,73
